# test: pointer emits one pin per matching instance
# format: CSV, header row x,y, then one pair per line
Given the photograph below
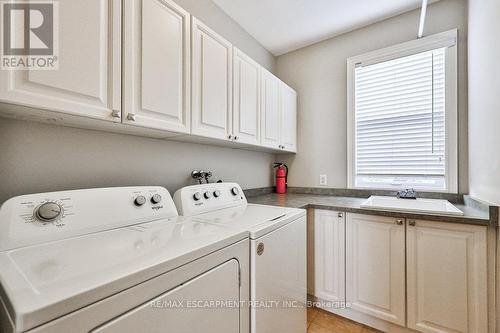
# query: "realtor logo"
x,y
29,35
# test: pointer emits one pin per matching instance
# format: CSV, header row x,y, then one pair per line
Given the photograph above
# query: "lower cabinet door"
x,y
187,308
375,266
447,286
328,274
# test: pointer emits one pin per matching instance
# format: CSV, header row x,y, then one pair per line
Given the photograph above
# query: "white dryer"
x,y
118,260
277,251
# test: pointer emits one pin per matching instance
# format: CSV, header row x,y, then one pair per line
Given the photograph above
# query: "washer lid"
x,y
258,220
46,281
43,217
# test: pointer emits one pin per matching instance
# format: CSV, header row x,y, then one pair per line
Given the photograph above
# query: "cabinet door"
x,y
288,118
246,98
87,81
157,52
329,256
211,83
375,266
447,287
270,110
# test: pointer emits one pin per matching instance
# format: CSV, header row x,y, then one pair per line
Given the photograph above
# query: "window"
x,y
402,116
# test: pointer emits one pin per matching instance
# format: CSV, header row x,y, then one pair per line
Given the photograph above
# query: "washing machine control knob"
x,y
197,196
156,198
140,200
48,212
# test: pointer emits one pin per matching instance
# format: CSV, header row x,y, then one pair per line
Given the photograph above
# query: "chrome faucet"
x,y
199,175
409,193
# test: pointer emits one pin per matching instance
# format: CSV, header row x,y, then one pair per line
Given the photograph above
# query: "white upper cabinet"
x,y
288,119
157,65
177,78
328,256
270,110
246,99
375,266
447,277
88,80
211,83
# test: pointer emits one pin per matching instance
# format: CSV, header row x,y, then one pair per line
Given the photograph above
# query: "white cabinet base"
x,y
375,266
446,277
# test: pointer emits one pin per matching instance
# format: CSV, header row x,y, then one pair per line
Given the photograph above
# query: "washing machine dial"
x,y
156,198
48,212
140,200
197,196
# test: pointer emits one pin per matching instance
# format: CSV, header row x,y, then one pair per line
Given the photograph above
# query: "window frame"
x,y
448,39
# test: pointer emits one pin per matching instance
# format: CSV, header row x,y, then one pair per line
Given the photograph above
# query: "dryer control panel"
x,y
203,198
35,218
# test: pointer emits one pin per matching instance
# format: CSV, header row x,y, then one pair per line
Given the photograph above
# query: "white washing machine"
x,y
118,260
277,251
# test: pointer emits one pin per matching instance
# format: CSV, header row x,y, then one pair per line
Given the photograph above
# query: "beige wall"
x,y
318,73
37,157
484,108
484,100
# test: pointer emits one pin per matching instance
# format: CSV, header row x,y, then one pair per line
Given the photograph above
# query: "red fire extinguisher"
x,y
281,177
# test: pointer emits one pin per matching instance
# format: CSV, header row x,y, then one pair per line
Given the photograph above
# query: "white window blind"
x,y
400,121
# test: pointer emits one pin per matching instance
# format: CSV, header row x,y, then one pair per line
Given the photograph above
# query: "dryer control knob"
x,y
217,193
235,191
207,195
197,196
48,211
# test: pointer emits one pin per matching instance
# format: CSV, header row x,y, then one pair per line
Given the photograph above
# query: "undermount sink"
x,y
436,206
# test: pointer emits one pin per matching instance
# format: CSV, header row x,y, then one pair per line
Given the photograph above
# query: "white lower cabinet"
x,y
328,253
447,277
400,275
375,266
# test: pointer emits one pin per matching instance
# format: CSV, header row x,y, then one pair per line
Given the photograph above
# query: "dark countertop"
x,y
472,215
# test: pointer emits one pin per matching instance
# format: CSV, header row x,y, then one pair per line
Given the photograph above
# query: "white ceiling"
x,y
282,26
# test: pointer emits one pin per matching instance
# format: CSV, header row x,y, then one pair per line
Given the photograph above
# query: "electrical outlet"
x,y
322,180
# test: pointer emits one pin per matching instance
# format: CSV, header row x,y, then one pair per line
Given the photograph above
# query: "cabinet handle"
x,y
235,137
131,116
412,223
341,215
399,222
116,114
230,137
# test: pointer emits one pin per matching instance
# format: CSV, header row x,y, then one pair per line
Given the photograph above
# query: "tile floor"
x,y
319,321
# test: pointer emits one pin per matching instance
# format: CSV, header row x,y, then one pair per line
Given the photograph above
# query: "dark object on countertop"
x,y
409,193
